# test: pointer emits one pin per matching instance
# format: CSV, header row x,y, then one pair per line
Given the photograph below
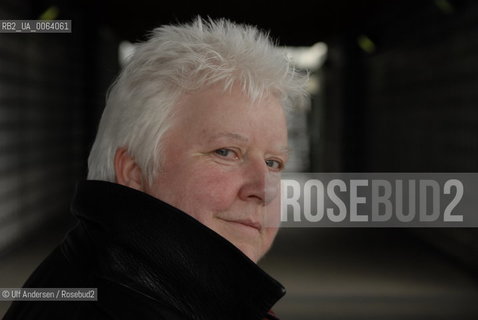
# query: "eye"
x,y
274,164
226,153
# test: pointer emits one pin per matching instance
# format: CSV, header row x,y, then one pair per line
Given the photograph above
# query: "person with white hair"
x,y
182,196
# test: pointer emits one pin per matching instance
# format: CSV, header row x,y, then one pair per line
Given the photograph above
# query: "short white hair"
x,y
179,59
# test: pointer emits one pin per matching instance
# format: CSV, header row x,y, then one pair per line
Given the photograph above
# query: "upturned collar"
x,y
145,244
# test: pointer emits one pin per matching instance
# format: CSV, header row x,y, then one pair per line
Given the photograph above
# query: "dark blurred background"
x,y
395,91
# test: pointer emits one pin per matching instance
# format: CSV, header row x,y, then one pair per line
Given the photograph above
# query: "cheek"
x,y
210,192
272,214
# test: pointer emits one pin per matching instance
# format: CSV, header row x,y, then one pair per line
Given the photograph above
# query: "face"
x,y
221,163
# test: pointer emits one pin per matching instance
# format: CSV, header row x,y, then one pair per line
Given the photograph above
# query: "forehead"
x,y
214,118
233,105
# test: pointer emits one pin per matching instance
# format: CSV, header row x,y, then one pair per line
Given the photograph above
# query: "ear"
x,y
128,173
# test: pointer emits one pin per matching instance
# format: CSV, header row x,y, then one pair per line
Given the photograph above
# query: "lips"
x,y
248,223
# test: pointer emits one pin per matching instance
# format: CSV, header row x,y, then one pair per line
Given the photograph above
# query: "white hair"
x,y
176,60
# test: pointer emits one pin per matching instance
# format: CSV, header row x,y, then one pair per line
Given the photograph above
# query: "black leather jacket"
x,y
148,260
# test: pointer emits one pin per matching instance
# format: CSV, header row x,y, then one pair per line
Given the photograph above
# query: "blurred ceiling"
x,y
297,23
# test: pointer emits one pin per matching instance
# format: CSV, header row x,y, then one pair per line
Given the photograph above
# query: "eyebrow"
x,y
241,138
284,149
230,135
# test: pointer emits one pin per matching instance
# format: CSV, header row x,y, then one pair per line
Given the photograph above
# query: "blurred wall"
x,y
52,89
401,90
401,96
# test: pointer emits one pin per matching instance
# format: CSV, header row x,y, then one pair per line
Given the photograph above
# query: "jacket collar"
x,y
145,244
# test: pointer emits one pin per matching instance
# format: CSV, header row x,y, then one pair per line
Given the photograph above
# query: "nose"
x,y
259,183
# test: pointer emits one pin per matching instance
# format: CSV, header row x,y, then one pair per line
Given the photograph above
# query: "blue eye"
x,y
226,153
274,164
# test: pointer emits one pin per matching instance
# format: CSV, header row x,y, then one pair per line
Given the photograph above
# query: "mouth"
x,y
247,223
